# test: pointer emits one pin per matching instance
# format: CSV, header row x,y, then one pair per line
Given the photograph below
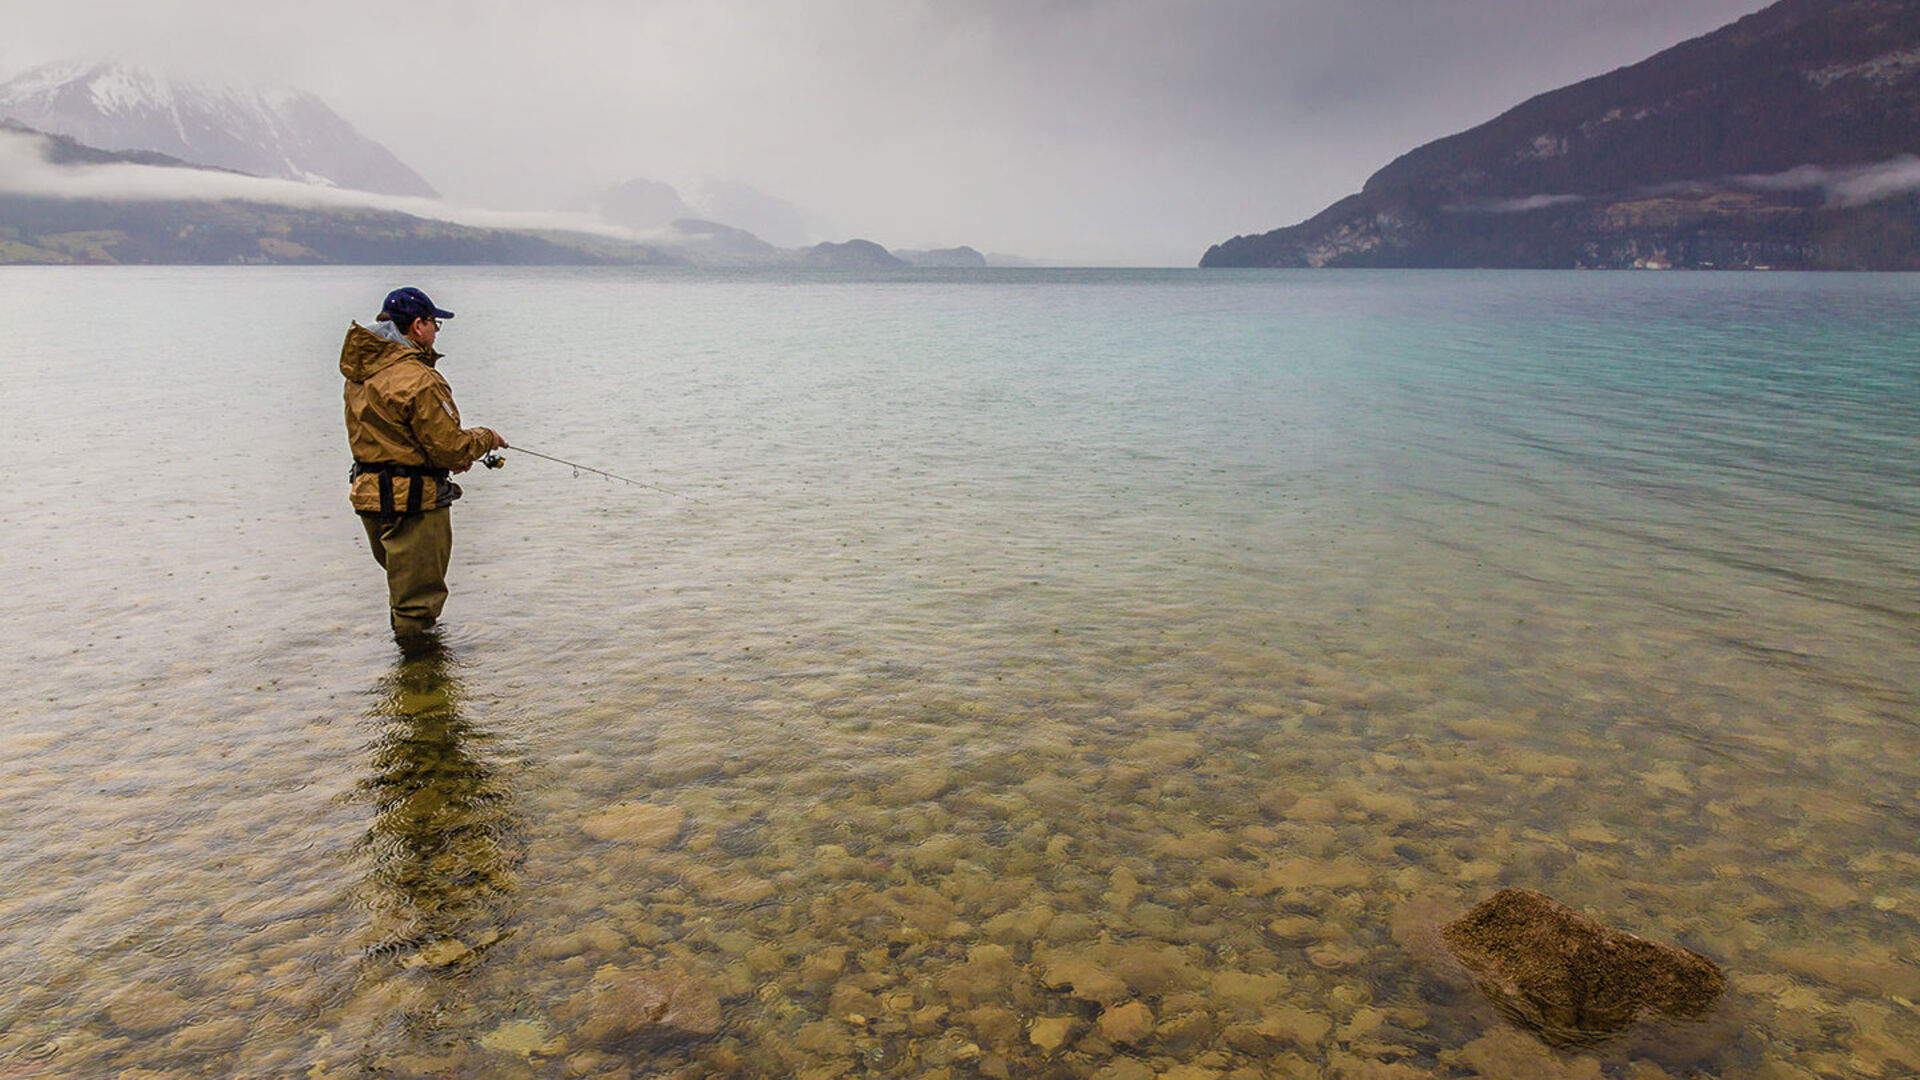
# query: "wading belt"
x,y
416,475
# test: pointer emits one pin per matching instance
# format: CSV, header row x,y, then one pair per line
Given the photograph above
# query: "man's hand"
x,y
500,443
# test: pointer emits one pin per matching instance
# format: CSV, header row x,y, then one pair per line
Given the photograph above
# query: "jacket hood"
x,y
365,352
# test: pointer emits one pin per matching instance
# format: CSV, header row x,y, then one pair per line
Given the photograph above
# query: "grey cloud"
x,y
1846,187
1514,206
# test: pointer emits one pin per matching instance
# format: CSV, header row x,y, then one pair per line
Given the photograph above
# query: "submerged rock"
x,y
145,1008
664,1005
1506,1054
1570,978
1127,1024
1083,977
523,1037
643,824
1294,1026
1051,1032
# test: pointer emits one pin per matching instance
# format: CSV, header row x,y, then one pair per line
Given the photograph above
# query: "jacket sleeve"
x,y
436,426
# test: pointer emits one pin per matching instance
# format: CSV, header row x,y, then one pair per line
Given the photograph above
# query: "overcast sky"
x,y
1120,131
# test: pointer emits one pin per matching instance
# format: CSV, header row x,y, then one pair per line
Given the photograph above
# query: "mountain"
x,y
229,232
962,256
772,218
287,134
44,223
638,204
1783,140
62,201
64,150
852,255
707,243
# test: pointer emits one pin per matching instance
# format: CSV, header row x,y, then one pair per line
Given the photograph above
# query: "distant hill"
x,y
707,243
744,207
1783,140
646,204
51,230
852,255
639,204
961,257
64,150
287,134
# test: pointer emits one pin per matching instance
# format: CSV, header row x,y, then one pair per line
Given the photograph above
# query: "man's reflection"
x,y
444,842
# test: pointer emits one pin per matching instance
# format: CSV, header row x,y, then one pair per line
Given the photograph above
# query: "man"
x,y
406,438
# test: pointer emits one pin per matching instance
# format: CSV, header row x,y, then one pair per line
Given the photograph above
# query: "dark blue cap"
x,y
408,304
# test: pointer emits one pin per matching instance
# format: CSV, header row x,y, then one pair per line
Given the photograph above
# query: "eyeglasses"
x,y
435,322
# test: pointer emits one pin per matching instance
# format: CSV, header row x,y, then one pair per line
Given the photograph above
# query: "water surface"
x,y
1212,632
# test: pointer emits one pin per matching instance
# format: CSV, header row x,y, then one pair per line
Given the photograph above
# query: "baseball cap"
x,y
410,303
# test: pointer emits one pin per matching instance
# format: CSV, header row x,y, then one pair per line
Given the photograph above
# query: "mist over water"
x,y
1208,631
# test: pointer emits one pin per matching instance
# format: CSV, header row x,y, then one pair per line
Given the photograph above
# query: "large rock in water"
x,y
648,1007
1572,979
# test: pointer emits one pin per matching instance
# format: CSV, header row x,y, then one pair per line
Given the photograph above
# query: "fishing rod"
x,y
495,461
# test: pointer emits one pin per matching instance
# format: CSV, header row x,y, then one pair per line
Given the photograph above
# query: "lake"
x,y
992,653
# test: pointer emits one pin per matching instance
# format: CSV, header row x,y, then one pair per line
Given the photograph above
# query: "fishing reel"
x,y
494,461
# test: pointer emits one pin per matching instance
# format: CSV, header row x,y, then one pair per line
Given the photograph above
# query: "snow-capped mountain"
x,y
282,133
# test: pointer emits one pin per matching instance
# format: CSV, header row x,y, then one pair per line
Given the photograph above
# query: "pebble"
x,y
1051,1033
1247,992
1506,1053
1365,1022
592,939
521,1037
644,825
145,1008
1294,1025
209,1035
1125,1069
1127,1024
1084,978
659,1004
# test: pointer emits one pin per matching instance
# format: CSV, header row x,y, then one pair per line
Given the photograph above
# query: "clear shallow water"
x,y
1214,631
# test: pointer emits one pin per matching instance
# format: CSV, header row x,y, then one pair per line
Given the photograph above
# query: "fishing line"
x,y
494,461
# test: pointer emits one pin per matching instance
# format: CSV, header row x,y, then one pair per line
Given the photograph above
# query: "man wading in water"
x,y
406,438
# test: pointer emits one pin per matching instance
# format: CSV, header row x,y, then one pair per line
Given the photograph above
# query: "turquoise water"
x,y
1216,631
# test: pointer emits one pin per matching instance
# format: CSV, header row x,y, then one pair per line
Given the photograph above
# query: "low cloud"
x,y
25,170
1855,186
1838,187
1513,206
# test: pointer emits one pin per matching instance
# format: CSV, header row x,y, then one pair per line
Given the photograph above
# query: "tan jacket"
x,y
400,411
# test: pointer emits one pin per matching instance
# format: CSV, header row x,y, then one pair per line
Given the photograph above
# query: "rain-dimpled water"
x,y
1060,674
